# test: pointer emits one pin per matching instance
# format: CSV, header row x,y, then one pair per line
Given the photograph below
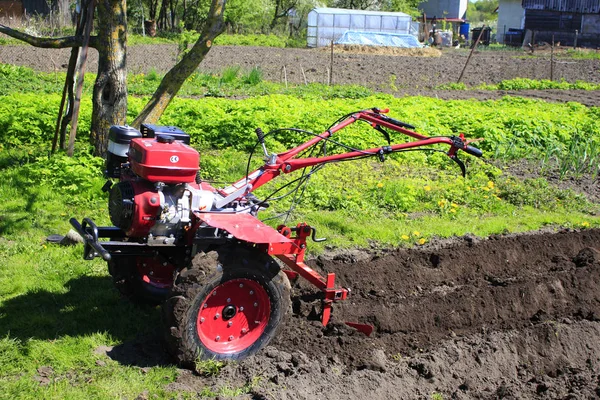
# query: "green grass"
x,y
222,40
133,39
581,54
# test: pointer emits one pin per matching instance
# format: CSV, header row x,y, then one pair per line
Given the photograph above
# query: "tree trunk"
x,y
110,89
173,80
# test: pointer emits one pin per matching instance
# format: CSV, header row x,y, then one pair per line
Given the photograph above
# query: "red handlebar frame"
x,y
286,163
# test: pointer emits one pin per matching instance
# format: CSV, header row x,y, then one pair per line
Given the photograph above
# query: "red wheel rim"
x,y
154,273
233,316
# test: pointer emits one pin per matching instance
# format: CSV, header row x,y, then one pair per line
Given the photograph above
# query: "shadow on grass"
x,y
89,305
19,217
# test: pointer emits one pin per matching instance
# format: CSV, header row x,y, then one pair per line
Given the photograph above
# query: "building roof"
x,y
576,6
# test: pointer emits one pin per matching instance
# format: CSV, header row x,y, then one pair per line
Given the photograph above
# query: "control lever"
x,y
305,228
261,139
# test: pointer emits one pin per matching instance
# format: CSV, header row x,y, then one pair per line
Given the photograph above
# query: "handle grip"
x,y
260,135
474,151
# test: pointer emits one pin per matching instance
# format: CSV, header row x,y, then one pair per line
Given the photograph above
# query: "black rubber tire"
x,y
196,282
129,283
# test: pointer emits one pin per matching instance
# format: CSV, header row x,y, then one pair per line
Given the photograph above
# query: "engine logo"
x,y
174,159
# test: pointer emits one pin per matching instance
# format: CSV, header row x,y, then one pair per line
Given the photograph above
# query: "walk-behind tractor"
x,y
221,275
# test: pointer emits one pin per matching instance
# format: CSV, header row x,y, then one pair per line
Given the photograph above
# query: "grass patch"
x,y
222,40
581,54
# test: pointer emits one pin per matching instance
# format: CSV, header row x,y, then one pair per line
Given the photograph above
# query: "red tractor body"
x,y
202,251
164,160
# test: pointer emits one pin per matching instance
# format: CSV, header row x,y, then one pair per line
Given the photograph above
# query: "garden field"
x,y
397,75
477,287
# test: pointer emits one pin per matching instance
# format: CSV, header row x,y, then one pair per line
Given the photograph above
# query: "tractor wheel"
x,y
143,280
226,306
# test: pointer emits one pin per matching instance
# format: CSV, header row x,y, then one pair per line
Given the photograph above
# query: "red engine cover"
x,y
147,207
155,161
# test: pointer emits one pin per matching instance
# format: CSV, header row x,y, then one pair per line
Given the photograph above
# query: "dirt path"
x,y
398,75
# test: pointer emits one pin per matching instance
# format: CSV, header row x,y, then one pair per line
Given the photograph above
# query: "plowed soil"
x,y
399,75
504,317
514,316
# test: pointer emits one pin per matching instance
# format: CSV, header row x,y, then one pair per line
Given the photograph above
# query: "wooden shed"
x,y
570,21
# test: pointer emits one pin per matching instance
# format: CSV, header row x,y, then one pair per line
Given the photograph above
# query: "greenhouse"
x,y
329,24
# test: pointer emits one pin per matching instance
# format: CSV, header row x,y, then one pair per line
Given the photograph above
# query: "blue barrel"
x,y
464,30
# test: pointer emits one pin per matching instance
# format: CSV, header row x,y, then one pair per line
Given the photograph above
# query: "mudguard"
x,y
244,227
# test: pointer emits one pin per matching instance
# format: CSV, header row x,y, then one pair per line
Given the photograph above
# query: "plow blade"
x,y
364,328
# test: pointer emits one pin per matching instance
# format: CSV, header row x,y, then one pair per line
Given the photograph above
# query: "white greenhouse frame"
x,y
329,24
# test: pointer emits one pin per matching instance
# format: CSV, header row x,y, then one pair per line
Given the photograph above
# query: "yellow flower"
x,y
422,241
454,205
442,203
490,184
380,185
487,189
453,210
417,233
486,197
427,188
585,224
405,237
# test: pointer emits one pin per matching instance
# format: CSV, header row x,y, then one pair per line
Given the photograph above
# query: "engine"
x,y
157,189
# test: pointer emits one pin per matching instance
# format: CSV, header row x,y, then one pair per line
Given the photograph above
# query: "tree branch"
x,y
45,42
174,79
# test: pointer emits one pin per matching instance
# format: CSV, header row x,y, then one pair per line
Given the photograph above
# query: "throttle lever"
x,y
261,139
461,164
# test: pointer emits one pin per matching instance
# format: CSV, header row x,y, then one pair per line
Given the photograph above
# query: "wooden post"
x,y
470,54
60,114
303,75
330,81
552,59
285,76
63,119
80,70
425,29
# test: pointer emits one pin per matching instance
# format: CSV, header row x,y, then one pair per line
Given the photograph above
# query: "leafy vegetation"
x,y
525,84
482,11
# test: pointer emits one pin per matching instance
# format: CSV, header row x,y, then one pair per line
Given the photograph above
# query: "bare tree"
x,y
110,89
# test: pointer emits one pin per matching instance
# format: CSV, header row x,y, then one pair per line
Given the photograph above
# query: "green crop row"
x,y
511,128
525,84
237,82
